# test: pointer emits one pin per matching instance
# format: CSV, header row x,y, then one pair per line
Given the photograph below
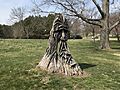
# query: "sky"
x,y
7,5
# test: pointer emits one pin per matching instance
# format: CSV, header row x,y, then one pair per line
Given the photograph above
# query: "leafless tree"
x,y
75,27
78,9
17,15
116,31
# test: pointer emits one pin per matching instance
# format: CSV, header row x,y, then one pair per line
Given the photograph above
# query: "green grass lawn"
x,y
18,59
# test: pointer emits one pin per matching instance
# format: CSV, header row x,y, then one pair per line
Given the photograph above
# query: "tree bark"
x,y
117,34
104,37
104,40
57,57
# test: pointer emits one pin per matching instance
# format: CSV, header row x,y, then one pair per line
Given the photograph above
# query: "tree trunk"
x,y
117,34
93,32
57,57
104,37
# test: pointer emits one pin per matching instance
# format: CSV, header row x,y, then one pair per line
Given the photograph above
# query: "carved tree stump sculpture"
x,y
58,57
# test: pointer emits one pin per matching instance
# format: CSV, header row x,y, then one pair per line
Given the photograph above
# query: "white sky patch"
x,y
7,5
115,7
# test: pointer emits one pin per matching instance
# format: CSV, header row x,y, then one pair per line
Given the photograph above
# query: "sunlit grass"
x,y
18,59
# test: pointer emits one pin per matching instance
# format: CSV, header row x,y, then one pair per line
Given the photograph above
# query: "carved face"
x,y
61,35
61,28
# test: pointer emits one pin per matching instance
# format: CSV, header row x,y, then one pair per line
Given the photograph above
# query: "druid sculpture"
x,y
58,58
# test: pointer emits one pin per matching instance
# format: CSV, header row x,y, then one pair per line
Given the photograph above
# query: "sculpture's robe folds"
x,y
58,57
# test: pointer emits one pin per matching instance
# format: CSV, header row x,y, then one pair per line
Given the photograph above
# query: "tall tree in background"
x,y
116,31
77,8
18,15
75,27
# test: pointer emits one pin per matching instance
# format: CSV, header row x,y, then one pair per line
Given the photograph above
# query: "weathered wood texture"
x,y
58,58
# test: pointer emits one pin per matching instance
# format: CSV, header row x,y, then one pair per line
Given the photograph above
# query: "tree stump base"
x,y
58,58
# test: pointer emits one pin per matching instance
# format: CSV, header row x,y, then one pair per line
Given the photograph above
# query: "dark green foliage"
x,y
6,31
37,26
32,27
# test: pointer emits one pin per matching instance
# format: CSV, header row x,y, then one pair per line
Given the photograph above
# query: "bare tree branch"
x,y
99,8
17,14
114,25
96,22
75,13
69,6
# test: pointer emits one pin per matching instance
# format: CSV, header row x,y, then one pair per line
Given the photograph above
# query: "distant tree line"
x,y
33,27
38,27
6,31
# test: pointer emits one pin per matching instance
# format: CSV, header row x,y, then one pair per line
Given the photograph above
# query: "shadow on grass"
x,y
116,48
85,65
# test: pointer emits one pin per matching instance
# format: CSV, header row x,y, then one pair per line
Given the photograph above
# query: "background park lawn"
x,y
18,59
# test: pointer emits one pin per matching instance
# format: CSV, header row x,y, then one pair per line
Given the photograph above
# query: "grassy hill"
x,y
18,59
